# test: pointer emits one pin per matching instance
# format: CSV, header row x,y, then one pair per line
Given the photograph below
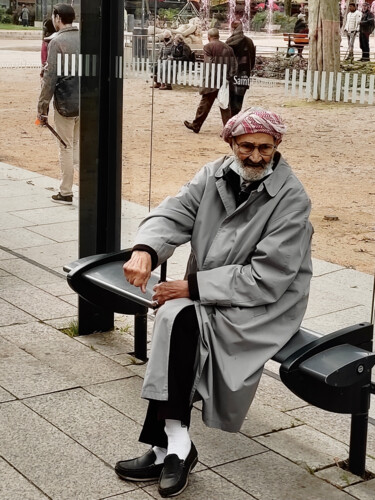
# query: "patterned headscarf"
x,y
254,120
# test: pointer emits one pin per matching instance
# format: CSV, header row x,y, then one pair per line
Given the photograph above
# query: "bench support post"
x,y
358,443
140,335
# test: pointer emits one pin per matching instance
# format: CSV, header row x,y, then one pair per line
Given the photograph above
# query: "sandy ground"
x,y
330,147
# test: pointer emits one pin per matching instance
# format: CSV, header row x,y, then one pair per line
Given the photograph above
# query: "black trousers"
x,y
235,102
364,43
182,356
204,108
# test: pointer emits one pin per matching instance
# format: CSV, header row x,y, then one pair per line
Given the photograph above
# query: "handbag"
x,y
223,96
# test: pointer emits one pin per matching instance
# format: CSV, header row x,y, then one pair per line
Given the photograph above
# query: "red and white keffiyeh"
x,y
254,120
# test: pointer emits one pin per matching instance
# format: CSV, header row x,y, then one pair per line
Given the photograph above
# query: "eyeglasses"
x,y
246,148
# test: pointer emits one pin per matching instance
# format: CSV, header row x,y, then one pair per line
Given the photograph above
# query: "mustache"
x,y
249,163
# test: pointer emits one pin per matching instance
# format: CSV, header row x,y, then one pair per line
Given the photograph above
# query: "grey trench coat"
x,y
253,269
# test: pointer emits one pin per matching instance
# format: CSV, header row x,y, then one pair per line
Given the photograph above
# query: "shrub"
x,y
286,23
4,17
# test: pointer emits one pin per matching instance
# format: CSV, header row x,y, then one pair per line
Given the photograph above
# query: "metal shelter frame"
x,y
101,87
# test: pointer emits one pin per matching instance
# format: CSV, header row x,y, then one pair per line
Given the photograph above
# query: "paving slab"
x,y
137,494
217,447
4,255
13,486
22,238
124,395
24,376
207,485
339,477
56,464
321,267
29,202
331,322
54,256
8,220
110,344
335,425
55,213
31,272
59,232
36,302
363,491
262,419
9,172
306,446
6,396
273,393
10,281
65,355
11,315
101,429
268,476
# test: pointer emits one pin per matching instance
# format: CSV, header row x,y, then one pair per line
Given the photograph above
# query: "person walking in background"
x,y
351,28
65,91
244,50
49,32
215,52
366,27
25,13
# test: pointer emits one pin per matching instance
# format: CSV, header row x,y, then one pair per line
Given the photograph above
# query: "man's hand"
x,y
168,290
137,270
43,119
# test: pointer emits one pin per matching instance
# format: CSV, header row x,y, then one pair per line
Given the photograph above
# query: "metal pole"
x,y
102,45
358,444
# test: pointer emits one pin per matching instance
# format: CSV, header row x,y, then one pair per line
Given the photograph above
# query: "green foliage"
x,y
168,14
5,18
286,23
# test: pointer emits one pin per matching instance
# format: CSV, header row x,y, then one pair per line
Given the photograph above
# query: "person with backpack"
x,y
244,50
366,27
180,50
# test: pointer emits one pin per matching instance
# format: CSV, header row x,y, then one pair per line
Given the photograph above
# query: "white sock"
x,y
160,454
179,441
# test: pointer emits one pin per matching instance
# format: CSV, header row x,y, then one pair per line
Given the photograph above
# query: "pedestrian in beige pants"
x,y
68,129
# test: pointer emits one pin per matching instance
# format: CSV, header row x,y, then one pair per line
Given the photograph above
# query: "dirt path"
x,y
330,147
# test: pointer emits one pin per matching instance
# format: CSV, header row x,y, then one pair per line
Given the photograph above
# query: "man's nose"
x,y
255,156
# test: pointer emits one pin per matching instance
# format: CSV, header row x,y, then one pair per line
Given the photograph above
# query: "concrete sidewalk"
x,y
70,407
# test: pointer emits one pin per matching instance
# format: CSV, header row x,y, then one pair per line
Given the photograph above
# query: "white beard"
x,y
251,174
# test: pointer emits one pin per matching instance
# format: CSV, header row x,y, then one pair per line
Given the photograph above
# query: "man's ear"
x,y
279,141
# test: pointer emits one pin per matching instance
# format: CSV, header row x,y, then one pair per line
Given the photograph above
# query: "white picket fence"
x,y
330,87
177,72
199,74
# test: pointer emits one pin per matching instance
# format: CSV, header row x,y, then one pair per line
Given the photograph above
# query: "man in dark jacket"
x,y
366,27
244,50
215,52
63,86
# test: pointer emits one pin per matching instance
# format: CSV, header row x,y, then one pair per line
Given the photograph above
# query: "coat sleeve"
x,y
170,224
49,79
272,267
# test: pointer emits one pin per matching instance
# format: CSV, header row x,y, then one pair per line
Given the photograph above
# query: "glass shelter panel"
x,y
161,153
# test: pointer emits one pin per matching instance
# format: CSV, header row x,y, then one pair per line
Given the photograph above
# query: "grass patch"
x,y
17,27
72,329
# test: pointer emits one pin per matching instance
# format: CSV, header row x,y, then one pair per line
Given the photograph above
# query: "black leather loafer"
x,y
190,126
139,469
175,475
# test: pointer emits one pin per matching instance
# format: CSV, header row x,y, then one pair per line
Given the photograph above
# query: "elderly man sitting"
x,y
244,295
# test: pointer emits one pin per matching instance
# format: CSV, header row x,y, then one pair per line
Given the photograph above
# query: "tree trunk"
x,y
288,7
324,31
